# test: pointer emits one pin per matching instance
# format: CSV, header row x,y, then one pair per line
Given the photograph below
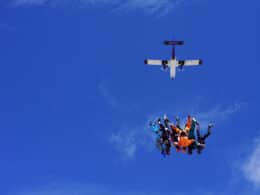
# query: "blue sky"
x,y
76,97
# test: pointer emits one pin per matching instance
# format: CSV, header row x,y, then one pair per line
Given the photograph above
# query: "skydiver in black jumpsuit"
x,y
201,139
166,145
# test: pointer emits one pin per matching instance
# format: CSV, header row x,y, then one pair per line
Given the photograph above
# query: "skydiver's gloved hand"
x,y
165,118
210,125
195,120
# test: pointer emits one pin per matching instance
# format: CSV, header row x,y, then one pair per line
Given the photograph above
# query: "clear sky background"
x,y
75,96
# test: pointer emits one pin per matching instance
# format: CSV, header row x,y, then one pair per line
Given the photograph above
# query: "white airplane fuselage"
x,y
173,64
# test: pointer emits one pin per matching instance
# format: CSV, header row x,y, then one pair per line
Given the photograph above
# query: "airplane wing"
x,y
189,62
156,62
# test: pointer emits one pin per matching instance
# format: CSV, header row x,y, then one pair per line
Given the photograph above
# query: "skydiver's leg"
x,y
168,147
208,133
205,136
200,146
176,145
178,149
159,144
191,148
198,135
163,148
199,149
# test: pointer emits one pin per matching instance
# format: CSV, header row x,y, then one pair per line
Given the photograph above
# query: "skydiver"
x,y
166,121
183,141
201,139
169,134
191,135
165,133
182,138
156,129
174,134
162,136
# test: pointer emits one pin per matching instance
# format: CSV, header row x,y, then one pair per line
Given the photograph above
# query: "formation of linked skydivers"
x,y
167,133
184,139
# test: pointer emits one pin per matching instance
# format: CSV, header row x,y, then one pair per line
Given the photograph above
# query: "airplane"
x,y
173,63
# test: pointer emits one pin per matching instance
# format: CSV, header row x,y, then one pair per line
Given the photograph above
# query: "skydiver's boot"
x,y
177,148
159,145
168,148
199,150
163,148
190,150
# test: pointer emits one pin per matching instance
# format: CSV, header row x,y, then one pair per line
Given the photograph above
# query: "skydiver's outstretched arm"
x,y
206,135
209,132
177,122
166,121
188,124
154,126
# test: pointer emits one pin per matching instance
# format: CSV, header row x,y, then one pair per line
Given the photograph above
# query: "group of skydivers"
x,y
172,135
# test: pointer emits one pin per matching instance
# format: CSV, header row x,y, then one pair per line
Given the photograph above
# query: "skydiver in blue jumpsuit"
x,y
156,129
191,135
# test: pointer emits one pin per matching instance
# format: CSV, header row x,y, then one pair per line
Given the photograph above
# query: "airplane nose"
x,y
200,62
145,62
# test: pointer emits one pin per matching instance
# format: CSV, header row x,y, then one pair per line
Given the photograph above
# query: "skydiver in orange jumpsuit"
x,y
183,141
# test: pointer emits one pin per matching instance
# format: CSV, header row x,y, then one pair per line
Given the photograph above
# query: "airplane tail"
x,y
167,42
173,52
173,43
